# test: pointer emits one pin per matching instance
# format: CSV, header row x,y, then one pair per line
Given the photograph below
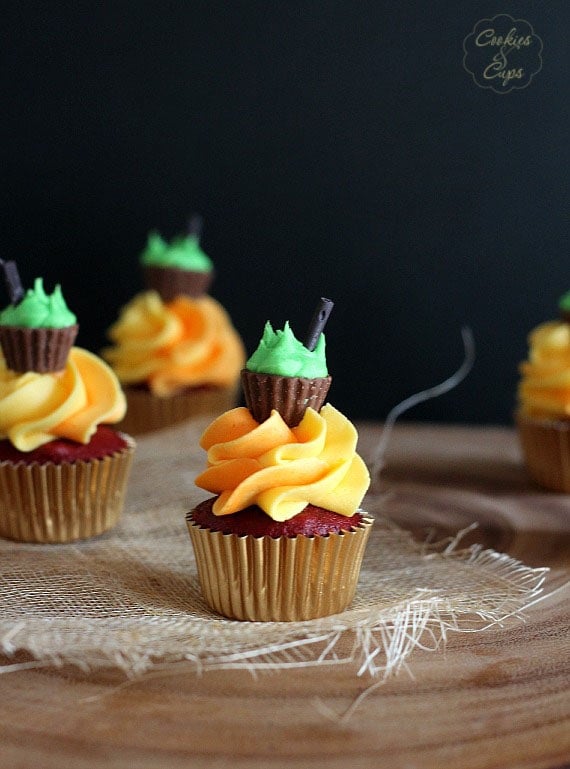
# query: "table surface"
x,y
498,698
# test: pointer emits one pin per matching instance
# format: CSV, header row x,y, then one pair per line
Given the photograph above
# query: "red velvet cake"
x,y
313,521
104,443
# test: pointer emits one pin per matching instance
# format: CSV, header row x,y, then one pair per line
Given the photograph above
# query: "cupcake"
x,y
175,350
543,412
283,537
63,469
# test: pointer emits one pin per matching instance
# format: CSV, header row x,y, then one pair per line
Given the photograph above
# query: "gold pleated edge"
x,y
284,579
57,503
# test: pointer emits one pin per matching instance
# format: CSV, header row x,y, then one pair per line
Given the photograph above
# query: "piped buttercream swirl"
x,y
544,389
283,469
173,345
38,408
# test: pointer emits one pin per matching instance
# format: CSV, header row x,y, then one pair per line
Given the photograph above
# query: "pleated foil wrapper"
x,y
285,579
171,282
290,396
36,349
55,503
546,450
147,412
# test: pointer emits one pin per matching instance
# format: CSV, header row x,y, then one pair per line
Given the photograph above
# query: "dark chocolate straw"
x,y
195,225
318,322
12,280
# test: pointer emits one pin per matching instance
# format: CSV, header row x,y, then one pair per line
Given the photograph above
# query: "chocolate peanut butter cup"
x,y
290,396
42,350
170,282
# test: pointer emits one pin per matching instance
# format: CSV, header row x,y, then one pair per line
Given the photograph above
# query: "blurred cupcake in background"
x,y
175,349
543,412
63,468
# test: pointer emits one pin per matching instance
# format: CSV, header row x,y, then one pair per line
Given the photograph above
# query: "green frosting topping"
x,y
564,302
39,310
183,253
280,352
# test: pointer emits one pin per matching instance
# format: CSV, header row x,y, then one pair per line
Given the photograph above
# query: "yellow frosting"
x,y
544,390
283,469
182,343
38,408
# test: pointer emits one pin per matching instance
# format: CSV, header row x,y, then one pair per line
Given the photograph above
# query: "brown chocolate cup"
x,y
290,396
170,282
36,349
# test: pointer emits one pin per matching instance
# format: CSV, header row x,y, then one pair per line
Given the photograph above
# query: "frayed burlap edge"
x,y
377,637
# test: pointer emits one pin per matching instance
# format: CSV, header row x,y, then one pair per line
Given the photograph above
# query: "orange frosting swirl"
x,y
38,408
170,346
283,469
544,390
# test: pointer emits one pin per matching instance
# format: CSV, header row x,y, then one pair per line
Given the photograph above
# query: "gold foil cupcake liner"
x,y
51,503
546,449
290,396
37,349
147,412
283,579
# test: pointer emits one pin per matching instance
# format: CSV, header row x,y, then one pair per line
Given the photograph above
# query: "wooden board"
x,y
499,698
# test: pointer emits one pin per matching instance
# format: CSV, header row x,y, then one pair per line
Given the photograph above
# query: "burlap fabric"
x,y
130,598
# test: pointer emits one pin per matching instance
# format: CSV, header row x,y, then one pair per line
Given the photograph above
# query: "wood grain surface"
x,y
493,699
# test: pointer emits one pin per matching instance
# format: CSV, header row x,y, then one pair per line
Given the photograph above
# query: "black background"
x,y
333,148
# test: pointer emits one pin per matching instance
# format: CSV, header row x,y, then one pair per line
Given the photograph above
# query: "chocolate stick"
x,y
12,280
195,225
318,322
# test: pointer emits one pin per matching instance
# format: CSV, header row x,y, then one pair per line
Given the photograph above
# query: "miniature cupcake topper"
x,y
285,375
12,280
37,330
179,267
